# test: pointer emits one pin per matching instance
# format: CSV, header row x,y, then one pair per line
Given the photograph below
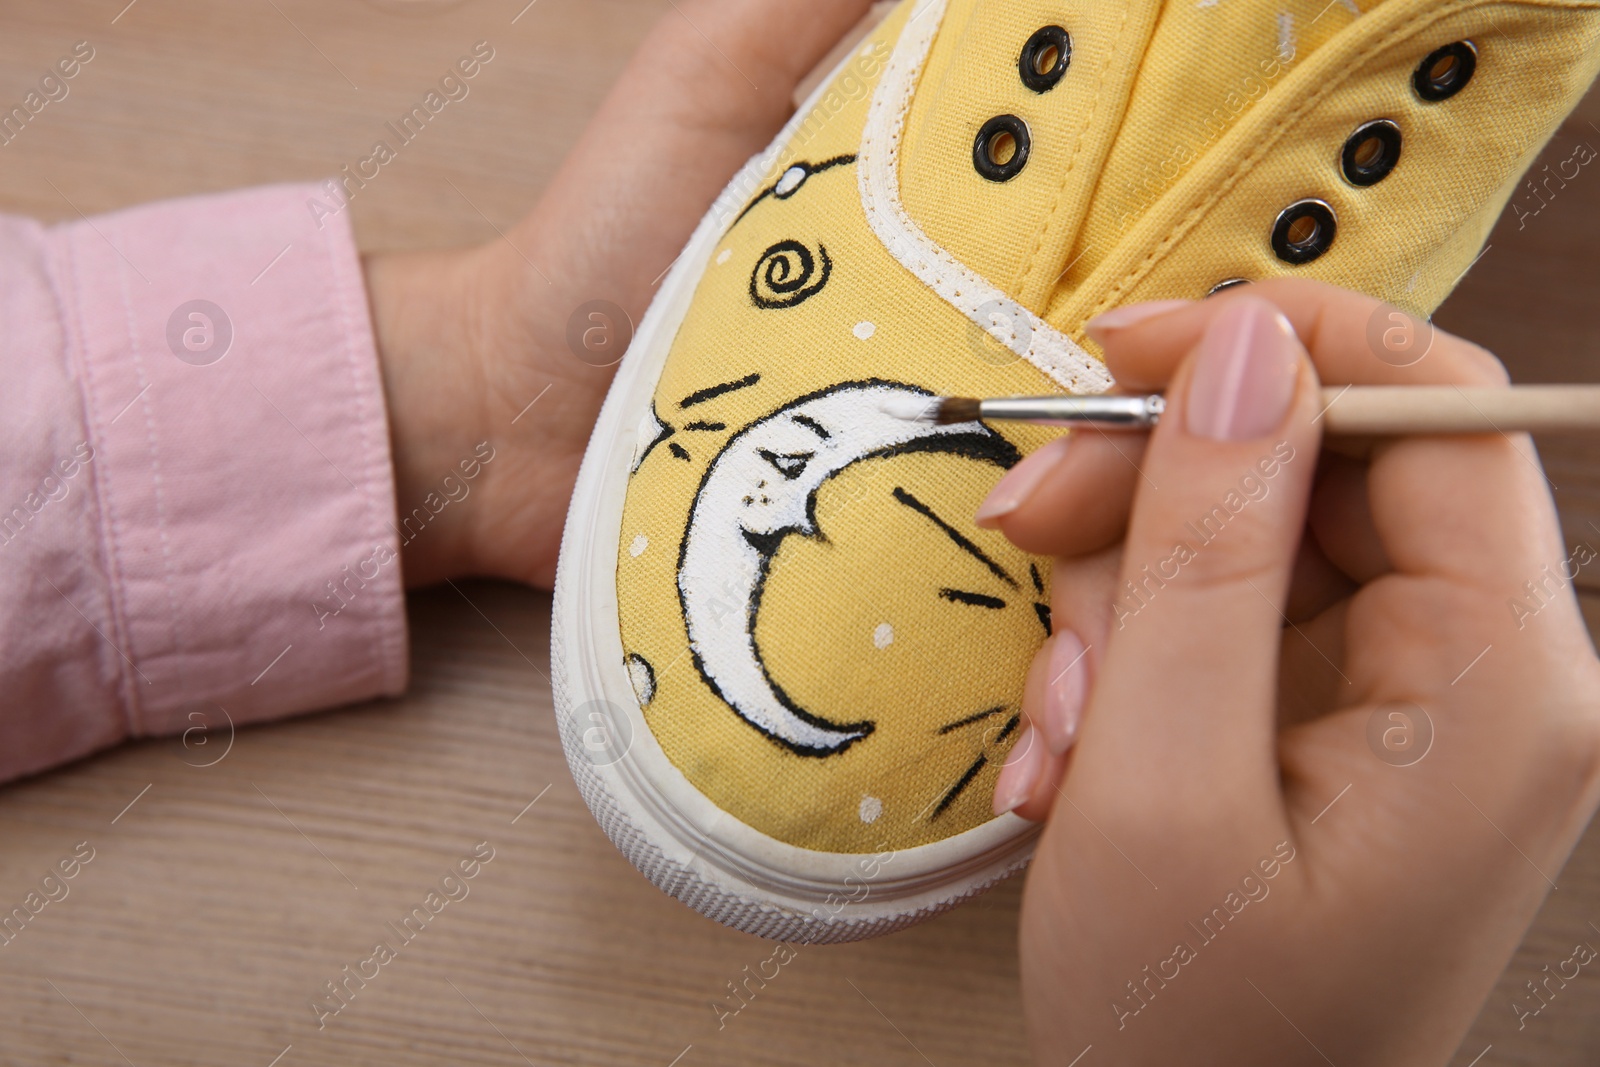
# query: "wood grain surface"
x,y
220,898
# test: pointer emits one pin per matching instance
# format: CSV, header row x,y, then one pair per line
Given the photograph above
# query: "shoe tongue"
x,y
1150,88
1206,65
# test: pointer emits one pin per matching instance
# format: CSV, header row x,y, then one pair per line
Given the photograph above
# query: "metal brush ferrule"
x,y
1103,412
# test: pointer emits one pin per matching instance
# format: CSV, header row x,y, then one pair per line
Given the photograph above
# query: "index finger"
x,y
1353,339
1475,509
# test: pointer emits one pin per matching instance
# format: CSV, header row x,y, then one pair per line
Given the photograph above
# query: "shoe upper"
x,y
821,640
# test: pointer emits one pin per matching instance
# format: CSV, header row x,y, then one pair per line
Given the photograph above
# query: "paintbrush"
x,y
1350,410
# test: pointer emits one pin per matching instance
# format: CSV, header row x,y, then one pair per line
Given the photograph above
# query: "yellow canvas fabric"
x,y
1407,239
886,605
1205,69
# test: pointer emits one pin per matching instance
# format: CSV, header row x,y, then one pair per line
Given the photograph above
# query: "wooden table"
x,y
221,898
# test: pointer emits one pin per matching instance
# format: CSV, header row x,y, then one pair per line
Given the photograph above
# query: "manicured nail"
x,y
1066,692
1020,773
1020,482
1121,318
1244,374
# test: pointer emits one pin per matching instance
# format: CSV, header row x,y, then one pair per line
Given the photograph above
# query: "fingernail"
x,y
1066,692
1020,482
1131,315
1244,374
1020,773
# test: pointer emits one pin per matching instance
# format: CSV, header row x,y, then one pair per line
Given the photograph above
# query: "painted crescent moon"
x,y
762,488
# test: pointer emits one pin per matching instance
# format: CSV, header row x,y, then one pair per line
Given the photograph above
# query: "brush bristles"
x,y
954,409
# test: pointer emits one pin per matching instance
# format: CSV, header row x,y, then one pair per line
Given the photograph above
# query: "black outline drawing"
x,y
978,764
711,392
666,431
951,727
810,169
982,444
977,600
772,271
961,541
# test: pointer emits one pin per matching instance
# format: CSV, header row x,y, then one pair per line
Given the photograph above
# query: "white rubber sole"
x,y
668,829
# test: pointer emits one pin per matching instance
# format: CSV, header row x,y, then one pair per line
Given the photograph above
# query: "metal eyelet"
x,y
1446,71
1224,286
1001,150
1371,153
1304,231
1045,58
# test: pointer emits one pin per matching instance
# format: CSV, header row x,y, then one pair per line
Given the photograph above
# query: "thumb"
x,y
707,89
710,85
1187,690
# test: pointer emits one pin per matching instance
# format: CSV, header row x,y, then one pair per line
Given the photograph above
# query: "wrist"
x,y
433,386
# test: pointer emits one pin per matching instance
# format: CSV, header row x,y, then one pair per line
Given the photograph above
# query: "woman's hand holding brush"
x,y
1302,759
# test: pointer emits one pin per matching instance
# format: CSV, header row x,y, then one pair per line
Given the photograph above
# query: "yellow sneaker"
x,y
788,664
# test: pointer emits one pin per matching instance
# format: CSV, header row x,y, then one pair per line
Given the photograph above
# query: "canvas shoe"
x,y
788,665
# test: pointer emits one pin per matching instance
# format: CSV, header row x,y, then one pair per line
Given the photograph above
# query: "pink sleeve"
x,y
196,497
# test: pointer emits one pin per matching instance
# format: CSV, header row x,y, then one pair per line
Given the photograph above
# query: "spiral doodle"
x,y
787,274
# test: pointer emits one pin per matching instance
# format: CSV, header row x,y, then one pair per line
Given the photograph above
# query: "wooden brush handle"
x,y
1388,410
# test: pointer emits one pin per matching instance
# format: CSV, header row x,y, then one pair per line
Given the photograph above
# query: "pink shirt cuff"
x,y
199,378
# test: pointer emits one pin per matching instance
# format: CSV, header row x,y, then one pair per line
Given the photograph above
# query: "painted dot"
x,y
864,330
871,808
724,255
791,180
640,543
883,636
